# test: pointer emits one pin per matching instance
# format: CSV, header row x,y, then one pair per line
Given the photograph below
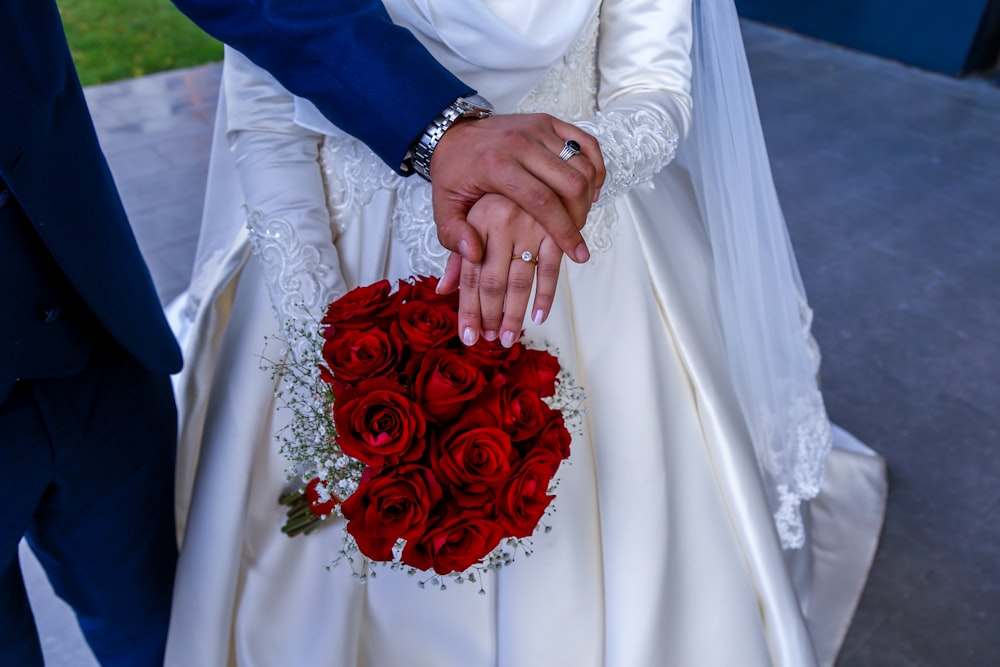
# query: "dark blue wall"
x,y
932,34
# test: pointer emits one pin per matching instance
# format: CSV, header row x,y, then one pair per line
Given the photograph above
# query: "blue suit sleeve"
x,y
370,77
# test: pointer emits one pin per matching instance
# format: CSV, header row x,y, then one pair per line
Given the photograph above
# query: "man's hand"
x,y
516,156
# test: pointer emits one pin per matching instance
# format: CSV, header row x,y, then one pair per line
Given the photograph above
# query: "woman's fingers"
x,y
546,276
493,283
519,281
469,313
494,295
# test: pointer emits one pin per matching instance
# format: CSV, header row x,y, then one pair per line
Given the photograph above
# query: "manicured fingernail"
x,y
507,339
463,248
469,336
581,253
490,335
597,194
538,317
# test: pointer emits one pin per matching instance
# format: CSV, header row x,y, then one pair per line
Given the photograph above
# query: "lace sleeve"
x,y
637,140
287,216
636,143
643,95
301,278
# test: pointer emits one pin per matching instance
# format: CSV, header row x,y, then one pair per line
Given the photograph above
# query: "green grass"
x,y
120,39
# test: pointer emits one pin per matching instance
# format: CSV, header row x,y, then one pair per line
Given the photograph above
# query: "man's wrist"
x,y
418,158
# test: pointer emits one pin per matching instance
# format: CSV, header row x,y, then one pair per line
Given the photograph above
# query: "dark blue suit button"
x,y
4,197
51,314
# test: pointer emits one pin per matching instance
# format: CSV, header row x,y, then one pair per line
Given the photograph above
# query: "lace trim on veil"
x,y
806,424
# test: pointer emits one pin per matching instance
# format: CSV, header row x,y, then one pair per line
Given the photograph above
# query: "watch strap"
x,y
423,149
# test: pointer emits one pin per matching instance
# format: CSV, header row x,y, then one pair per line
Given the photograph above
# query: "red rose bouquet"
x,y
439,456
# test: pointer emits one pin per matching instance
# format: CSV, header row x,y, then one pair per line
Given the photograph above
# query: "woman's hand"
x,y
494,294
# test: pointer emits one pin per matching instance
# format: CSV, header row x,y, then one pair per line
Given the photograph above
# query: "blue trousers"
x,y
86,475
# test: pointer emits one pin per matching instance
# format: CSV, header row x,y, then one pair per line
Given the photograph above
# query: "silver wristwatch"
x,y
473,106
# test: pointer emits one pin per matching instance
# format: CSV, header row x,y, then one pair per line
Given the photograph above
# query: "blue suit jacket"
x,y
52,164
370,77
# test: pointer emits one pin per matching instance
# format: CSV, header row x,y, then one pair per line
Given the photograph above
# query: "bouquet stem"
x,y
300,520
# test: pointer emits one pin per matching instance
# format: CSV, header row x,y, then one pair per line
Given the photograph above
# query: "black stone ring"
x,y
570,148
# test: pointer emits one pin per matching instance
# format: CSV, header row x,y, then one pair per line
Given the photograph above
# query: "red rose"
x,y
445,381
378,425
472,462
492,354
360,307
553,437
523,413
454,542
425,325
535,369
352,355
391,505
316,504
424,289
520,412
522,501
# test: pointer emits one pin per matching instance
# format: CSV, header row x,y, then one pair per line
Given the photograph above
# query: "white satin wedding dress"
x,y
665,549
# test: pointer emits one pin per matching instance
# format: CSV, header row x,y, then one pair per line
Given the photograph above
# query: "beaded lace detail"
x,y
413,223
636,143
295,275
352,174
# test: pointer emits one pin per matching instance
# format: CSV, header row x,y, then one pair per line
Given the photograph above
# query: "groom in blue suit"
x,y
87,418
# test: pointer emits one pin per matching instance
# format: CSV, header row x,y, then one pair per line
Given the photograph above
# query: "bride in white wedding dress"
x,y
685,531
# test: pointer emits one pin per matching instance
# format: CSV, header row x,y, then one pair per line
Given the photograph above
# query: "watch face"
x,y
475,105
